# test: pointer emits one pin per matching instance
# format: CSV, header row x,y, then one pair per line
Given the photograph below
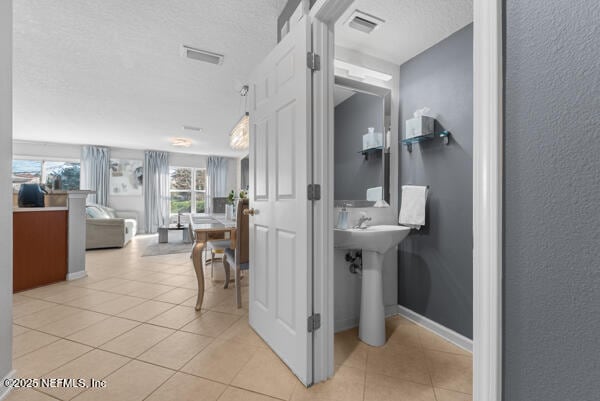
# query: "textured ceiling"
x,y
110,72
411,26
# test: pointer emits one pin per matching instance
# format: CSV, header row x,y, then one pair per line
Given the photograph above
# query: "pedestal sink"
x,y
374,241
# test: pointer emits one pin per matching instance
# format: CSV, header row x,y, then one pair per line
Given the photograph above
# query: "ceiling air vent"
x,y
202,55
364,22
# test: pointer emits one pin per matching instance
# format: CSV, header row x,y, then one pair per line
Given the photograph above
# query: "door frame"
x,y
487,192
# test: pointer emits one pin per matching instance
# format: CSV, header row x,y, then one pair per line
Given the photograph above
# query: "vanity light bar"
x,y
357,72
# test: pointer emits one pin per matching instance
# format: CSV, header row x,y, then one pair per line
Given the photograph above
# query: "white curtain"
x,y
95,173
156,190
216,170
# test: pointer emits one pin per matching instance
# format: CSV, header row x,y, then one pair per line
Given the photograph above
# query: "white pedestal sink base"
x,y
374,241
371,329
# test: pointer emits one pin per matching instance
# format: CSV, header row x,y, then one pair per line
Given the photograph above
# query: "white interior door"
x,y
280,242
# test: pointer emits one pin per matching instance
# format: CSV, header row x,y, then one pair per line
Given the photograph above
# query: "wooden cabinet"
x,y
39,248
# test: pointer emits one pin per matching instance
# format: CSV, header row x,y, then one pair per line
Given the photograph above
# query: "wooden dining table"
x,y
202,228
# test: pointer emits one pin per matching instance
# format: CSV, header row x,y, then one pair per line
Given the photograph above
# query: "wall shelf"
x,y
366,152
445,135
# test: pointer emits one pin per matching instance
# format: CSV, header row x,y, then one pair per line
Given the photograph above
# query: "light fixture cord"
x,y
244,93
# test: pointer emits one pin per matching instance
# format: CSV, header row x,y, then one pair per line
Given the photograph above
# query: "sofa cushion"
x,y
96,212
112,213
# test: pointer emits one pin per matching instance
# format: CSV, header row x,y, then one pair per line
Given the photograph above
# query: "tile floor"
x,y
132,323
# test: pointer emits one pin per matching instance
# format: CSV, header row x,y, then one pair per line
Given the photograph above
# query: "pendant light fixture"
x,y
239,138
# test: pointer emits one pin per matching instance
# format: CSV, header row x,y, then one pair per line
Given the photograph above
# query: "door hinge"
x,y
314,192
314,322
313,61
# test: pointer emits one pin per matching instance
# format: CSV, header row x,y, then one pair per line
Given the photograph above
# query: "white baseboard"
x,y
76,275
346,324
447,334
4,391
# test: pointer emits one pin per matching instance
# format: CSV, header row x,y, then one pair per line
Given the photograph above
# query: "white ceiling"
x,y
110,72
411,26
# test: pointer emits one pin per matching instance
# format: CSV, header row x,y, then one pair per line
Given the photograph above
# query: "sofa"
x,y
108,228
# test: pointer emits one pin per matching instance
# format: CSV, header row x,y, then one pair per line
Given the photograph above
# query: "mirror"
x,y
361,152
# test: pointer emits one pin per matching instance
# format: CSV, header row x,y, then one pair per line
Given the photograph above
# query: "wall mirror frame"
x,y
384,153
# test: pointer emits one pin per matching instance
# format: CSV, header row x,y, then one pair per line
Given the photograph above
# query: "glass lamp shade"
x,y
239,138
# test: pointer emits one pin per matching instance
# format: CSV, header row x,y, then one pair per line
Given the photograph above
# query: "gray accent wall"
x,y
551,294
435,277
5,190
353,174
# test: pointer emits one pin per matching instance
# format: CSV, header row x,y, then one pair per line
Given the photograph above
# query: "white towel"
x,y
412,208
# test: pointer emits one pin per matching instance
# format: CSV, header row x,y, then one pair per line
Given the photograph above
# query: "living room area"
x,y
126,147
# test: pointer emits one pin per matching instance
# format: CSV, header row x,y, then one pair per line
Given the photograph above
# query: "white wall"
x,y
5,191
124,203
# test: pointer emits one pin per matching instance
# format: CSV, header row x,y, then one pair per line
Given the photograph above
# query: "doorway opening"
x,y
422,280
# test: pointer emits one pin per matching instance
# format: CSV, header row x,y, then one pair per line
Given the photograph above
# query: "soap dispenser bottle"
x,y
342,220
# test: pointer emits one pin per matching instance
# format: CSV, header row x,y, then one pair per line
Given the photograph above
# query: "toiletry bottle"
x,y
342,221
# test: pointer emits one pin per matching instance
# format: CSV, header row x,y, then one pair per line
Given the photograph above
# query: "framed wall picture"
x,y
126,177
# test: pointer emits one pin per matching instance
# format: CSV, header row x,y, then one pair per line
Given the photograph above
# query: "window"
x,y
46,172
188,190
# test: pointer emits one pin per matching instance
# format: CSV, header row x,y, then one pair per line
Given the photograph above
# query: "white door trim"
x,y
323,361
323,15
487,196
487,200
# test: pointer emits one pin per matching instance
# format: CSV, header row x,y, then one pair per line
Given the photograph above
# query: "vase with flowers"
x,y
230,205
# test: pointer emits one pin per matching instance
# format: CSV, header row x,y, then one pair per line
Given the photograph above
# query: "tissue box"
x,y
419,126
372,140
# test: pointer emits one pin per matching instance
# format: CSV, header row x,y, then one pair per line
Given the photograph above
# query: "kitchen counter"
x,y
40,247
40,209
49,242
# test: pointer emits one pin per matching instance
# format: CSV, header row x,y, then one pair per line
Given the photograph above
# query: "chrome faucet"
x,y
361,221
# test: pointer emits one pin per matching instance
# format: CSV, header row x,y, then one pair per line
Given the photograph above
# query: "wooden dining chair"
x,y
238,258
217,247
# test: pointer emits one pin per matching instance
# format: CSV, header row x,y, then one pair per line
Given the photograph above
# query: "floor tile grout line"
x,y
258,392
402,379
175,371
130,359
54,334
43,346
81,356
213,338
118,315
427,365
452,390
160,385
46,394
92,310
136,357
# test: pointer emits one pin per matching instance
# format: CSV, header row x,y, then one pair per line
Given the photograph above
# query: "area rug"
x,y
167,249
